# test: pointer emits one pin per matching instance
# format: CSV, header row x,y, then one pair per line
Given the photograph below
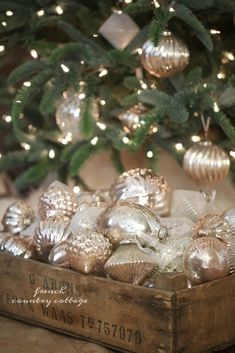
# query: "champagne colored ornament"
x,y
58,254
206,163
97,198
3,235
131,119
229,216
17,217
169,58
69,112
50,232
57,201
18,246
129,264
119,30
213,226
144,187
206,259
88,251
85,219
124,220
191,204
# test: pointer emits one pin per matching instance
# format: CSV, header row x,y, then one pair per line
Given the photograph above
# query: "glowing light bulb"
x,y
9,13
51,154
27,83
94,141
100,125
103,72
125,140
2,48
59,10
149,154
232,154
34,53
195,138
179,146
64,68
40,13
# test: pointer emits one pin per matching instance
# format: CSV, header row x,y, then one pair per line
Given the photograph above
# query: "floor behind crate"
x,y
18,337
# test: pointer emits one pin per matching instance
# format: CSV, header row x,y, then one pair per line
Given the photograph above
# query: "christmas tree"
x,y
78,77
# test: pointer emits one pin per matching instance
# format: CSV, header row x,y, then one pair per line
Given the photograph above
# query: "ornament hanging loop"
x,y
205,124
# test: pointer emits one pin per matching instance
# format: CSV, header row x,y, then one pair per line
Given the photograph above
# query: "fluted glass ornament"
x,y
50,232
129,264
229,216
131,119
206,163
57,201
88,251
58,255
206,259
124,220
144,187
18,246
69,112
17,217
191,204
168,58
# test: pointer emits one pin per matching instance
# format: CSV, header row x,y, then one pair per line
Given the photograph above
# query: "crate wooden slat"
x,y
168,319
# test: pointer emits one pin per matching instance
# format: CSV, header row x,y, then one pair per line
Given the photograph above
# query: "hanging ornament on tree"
x,y
205,162
17,217
144,187
131,119
167,59
69,112
119,29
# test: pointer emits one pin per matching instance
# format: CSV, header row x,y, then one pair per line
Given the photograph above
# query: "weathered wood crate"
x,y
169,319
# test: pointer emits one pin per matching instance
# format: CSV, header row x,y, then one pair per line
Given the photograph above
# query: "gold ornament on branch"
x,y
206,259
18,246
57,201
144,187
131,119
129,264
88,251
206,163
17,217
167,59
124,220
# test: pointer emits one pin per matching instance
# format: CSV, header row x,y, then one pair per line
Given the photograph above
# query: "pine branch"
x,y
194,76
125,58
154,97
18,158
139,6
117,162
50,98
225,124
159,24
87,119
25,70
198,4
182,12
68,49
130,100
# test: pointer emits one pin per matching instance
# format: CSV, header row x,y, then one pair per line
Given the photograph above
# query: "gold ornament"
x,y
206,259
129,264
131,119
69,112
88,251
18,246
144,187
169,58
17,217
57,201
50,232
58,254
206,163
212,226
124,220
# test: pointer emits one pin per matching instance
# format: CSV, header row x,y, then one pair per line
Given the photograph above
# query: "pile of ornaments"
x,y
124,233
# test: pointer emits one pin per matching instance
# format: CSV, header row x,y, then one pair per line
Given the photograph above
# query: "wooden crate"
x,y
168,319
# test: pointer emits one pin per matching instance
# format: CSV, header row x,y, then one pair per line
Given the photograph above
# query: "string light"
x,y
7,118
171,9
34,53
64,68
59,10
179,146
128,1
95,35
139,51
143,84
214,31
149,154
4,24
232,154
195,138
27,83
9,13
156,4
0,155
82,62
94,141
40,13
51,154
82,96
101,126
102,102
2,48
103,72
76,189
125,140
221,75
216,107
26,146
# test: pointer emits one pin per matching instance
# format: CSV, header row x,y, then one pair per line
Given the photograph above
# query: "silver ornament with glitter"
x,y
17,217
18,246
168,58
119,30
57,201
88,251
144,187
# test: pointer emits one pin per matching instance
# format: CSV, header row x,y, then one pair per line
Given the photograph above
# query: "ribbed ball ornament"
x,y
169,58
17,217
206,163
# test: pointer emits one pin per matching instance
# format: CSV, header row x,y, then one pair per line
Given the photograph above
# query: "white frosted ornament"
x,y
69,112
85,219
191,204
179,227
119,30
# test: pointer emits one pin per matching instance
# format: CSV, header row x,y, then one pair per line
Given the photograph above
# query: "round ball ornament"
x,y
131,119
69,112
17,217
168,58
57,201
144,187
206,259
206,163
